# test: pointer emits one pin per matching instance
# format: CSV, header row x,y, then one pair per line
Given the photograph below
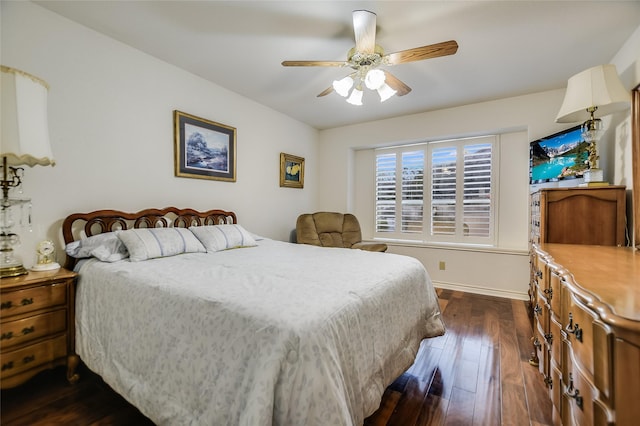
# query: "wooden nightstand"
x,y
38,330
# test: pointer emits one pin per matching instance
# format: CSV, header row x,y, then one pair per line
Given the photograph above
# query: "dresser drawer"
x,y
583,399
591,344
28,300
17,361
31,328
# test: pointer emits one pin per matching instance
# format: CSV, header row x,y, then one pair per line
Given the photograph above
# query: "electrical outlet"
x,y
442,266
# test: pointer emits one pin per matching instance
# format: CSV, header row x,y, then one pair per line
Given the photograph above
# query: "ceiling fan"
x,y
366,57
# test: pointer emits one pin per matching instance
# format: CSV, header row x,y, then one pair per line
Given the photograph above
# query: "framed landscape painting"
x,y
291,171
204,149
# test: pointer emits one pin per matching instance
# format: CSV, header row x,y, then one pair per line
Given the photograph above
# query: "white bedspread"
x,y
281,333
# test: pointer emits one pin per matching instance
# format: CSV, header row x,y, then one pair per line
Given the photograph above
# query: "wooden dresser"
x,y
587,331
593,215
37,317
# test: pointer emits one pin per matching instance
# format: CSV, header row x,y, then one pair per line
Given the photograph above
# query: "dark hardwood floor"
x,y
476,374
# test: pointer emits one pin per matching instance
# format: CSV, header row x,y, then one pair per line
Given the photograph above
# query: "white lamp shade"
x,y
374,79
356,97
342,86
24,128
385,91
595,87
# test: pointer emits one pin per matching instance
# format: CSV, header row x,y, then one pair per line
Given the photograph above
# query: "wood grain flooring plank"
x,y
514,406
488,397
460,410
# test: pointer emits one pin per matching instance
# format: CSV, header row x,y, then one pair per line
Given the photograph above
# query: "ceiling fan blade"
x,y
397,85
314,64
364,29
419,53
325,92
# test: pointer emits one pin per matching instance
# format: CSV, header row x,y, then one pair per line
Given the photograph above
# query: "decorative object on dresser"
x,y
25,141
579,215
595,89
204,149
46,256
587,331
37,316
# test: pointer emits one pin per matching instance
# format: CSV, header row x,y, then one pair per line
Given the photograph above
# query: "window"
x,y
457,176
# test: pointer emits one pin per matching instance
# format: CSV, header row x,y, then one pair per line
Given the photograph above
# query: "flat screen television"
x,y
557,157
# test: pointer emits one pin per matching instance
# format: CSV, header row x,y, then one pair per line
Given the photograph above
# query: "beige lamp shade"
x,y
595,87
24,128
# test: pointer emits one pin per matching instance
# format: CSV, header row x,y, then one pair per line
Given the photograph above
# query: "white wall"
x,y
110,118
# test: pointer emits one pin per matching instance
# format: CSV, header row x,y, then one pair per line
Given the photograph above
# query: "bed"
x,y
249,331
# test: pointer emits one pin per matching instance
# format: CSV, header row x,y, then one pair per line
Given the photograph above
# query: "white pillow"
x,y
223,237
106,247
150,243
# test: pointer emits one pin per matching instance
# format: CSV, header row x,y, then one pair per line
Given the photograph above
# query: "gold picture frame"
x,y
291,171
204,149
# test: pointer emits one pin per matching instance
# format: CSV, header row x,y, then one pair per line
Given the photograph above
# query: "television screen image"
x,y
560,156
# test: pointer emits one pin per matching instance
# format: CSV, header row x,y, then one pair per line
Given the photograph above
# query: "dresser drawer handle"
x,y
548,292
538,274
573,392
549,338
536,343
574,328
28,330
6,336
7,366
23,302
28,359
537,310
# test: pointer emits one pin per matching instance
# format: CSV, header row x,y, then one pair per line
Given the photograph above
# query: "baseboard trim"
x,y
509,294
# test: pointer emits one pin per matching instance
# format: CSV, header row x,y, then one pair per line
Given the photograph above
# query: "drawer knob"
x,y
573,392
574,328
549,338
538,274
26,302
537,310
6,336
6,305
536,343
7,366
548,292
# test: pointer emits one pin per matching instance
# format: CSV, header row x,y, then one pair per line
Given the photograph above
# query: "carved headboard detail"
x,y
82,225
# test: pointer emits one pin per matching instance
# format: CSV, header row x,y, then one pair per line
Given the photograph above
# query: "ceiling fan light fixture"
x,y
374,79
385,91
356,97
342,86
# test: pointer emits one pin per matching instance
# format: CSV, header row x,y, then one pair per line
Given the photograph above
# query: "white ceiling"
x,y
507,48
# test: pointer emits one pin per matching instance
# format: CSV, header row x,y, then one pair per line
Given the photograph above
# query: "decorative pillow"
x,y
106,247
149,243
223,237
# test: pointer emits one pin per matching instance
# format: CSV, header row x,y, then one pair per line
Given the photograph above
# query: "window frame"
x,y
426,236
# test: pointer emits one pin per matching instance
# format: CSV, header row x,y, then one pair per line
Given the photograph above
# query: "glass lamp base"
x,y
594,175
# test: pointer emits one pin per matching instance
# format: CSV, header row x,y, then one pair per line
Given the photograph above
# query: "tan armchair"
x,y
330,229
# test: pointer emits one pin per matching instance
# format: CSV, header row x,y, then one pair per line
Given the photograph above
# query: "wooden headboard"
x,y
82,225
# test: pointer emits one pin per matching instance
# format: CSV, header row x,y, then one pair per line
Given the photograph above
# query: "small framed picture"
x,y
291,171
204,149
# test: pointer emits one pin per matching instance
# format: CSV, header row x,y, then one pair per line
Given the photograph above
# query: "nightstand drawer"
x,y
31,328
15,362
22,301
